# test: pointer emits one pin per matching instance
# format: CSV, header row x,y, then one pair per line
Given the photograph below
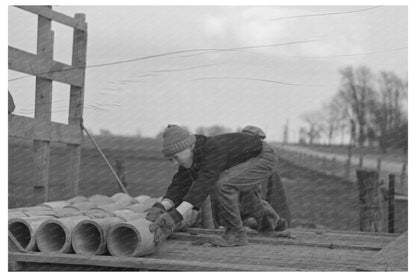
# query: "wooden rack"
x,y
41,129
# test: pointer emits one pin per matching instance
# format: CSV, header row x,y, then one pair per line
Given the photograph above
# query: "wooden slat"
x,y
22,127
76,105
56,16
138,263
32,64
43,113
70,134
330,240
393,257
284,241
303,258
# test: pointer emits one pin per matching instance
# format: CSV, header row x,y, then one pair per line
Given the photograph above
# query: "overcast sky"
x,y
263,86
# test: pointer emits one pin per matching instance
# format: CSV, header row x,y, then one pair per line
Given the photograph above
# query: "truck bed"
x,y
293,250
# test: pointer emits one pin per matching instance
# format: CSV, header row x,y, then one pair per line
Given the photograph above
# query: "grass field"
x,y
396,155
314,200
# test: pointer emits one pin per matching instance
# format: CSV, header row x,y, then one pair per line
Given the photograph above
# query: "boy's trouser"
x,y
238,190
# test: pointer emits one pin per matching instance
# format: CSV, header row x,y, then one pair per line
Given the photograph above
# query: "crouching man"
x,y
222,166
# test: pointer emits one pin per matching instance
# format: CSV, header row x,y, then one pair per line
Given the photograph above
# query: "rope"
x,y
120,184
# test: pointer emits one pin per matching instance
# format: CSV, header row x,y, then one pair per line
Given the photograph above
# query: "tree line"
x,y
369,109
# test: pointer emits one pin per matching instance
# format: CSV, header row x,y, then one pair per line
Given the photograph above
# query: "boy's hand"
x,y
164,225
155,211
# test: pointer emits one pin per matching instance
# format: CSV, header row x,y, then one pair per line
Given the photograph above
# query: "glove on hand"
x,y
165,225
155,211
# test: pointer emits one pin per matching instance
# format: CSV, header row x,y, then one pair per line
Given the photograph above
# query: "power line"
x,y
256,79
163,55
355,54
326,14
252,47
186,69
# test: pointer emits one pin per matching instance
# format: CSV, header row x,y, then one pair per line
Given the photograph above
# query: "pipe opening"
x,y
21,232
86,238
123,241
51,237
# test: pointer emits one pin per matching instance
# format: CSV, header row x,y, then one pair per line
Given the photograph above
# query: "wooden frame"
x,y
41,65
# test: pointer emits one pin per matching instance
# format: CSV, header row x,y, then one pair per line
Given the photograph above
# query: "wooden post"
x,y
379,166
369,197
360,163
403,176
76,104
120,170
391,203
43,115
347,168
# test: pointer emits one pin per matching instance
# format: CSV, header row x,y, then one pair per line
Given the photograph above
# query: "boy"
x,y
222,166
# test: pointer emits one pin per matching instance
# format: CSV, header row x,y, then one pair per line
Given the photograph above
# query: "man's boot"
x,y
231,237
235,237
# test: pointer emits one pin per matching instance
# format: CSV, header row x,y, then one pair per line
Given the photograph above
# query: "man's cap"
x,y
176,139
253,130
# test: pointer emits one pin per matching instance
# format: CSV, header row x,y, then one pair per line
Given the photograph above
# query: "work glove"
x,y
155,211
165,225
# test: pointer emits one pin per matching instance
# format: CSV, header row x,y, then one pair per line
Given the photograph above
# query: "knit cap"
x,y
253,130
176,139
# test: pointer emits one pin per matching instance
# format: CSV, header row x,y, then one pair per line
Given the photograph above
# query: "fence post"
x,y
391,203
347,168
360,163
369,198
379,166
120,171
403,175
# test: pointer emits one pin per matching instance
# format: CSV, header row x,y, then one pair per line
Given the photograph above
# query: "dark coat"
x,y
211,156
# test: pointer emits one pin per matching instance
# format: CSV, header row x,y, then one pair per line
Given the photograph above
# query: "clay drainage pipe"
x,y
131,239
89,237
24,230
54,235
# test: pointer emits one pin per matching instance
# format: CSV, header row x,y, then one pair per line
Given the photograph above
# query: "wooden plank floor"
x,y
303,250
393,257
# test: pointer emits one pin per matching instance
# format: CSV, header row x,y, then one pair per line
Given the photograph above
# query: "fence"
x,y
346,170
41,129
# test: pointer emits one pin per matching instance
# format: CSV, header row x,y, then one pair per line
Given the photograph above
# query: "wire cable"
x,y
256,79
162,55
326,14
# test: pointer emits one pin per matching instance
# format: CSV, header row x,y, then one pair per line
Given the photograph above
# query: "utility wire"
x,y
185,69
255,79
251,47
326,14
162,55
355,54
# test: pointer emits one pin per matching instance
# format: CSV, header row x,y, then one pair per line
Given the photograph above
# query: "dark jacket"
x,y
211,156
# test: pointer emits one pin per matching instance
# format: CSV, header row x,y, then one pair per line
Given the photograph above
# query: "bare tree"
x,y
302,135
340,113
388,109
315,125
357,91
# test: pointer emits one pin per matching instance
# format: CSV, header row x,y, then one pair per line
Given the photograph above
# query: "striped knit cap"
x,y
253,130
176,139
